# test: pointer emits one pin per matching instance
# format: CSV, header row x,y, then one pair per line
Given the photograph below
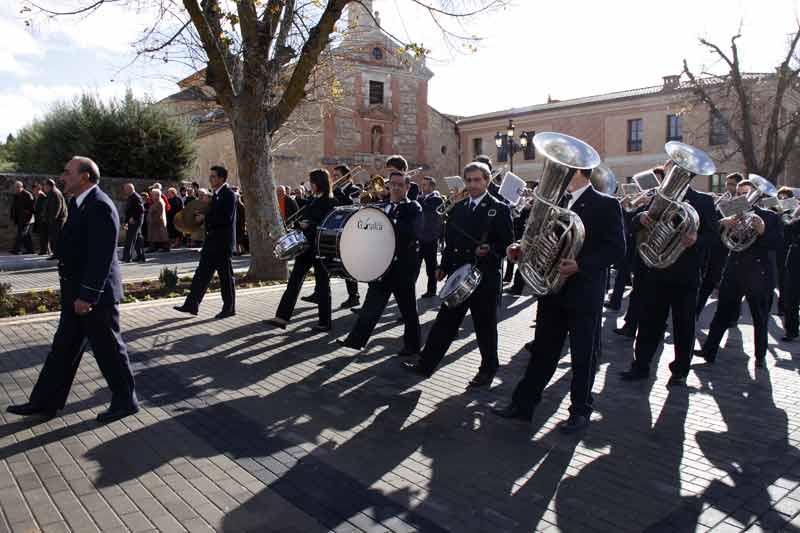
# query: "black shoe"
x,y
633,374
416,368
225,314
705,355
344,344
42,253
321,327
311,298
529,346
350,302
29,409
14,252
277,322
186,309
677,381
612,307
110,415
788,338
428,295
482,379
625,332
574,424
513,411
761,362
355,310
406,353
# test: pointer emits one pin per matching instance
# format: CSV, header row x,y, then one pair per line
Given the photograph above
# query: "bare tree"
x,y
760,112
261,58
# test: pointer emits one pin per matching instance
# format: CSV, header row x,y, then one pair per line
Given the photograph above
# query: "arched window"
x,y
376,140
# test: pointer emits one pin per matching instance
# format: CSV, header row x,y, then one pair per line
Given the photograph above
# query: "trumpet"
x,y
452,200
632,202
525,199
372,192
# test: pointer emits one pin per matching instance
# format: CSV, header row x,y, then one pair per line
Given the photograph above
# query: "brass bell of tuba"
x,y
662,243
553,233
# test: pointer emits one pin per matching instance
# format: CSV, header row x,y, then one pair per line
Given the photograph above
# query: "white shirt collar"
x,y
478,200
82,196
577,194
218,189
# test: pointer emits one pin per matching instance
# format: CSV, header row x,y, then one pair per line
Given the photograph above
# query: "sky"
x,y
532,49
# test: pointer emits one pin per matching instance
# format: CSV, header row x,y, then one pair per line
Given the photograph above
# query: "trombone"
x,y
371,192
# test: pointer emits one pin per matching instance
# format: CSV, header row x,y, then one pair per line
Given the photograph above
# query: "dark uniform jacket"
x,y
754,265
134,208
413,191
40,211
315,212
431,221
490,224
87,252
406,218
603,245
343,195
687,269
220,221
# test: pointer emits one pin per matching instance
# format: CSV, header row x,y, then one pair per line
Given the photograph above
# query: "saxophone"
x,y
553,233
662,244
743,234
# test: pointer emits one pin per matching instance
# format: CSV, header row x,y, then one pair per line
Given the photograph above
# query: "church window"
x,y
375,92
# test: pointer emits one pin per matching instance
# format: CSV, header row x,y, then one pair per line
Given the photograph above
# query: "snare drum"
x,y
356,243
290,245
460,285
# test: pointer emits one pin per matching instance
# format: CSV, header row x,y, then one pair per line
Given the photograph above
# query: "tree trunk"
x,y
254,159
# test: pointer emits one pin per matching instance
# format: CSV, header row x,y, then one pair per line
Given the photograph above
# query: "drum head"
x,y
455,279
366,245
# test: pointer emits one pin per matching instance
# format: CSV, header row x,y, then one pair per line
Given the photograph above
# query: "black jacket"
x,y
134,208
40,210
406,218
87,252
603,245
413,192
343,194
22,208
220,221
687,269
490,224
431,221
756,264
315,212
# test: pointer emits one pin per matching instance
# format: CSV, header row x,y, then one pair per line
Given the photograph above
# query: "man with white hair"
x,y
22,209
91,289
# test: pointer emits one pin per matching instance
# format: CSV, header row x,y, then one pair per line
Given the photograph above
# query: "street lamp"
x,y
513,147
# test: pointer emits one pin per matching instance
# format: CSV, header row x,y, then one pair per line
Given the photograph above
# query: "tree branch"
x,y
210,32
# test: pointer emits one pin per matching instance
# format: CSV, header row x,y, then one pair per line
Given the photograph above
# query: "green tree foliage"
x,y
126,137
6,155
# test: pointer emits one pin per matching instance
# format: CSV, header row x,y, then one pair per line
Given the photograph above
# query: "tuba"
x,y
743,234
604,180
673,218
553,233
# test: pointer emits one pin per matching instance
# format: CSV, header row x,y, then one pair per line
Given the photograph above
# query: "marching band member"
x,y
575,310
344,196
431,232
320,205
625,267
783,252
791,303
717,254
494,187
399,280
478,231
748,274
398,162
673,289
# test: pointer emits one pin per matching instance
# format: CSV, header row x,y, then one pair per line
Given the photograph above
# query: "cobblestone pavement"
x,y
34,272
244,427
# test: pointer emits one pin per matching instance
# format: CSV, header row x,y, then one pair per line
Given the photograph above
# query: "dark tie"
x,y
472,205
73,205
565,200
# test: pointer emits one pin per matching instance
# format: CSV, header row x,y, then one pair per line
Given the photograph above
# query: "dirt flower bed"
x,y
48,300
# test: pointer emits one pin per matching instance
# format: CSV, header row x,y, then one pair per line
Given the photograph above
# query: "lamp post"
x,y
513,146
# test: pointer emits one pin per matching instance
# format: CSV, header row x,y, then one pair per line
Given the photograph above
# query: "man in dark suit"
x,y
344,195
625,265
748,274
575,310
22,211
673,289
791,304
91,288
134,217
430,234
399,280
398,162
220,223
478,231
40,217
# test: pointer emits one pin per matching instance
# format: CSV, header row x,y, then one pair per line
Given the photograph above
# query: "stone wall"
x,y
112,187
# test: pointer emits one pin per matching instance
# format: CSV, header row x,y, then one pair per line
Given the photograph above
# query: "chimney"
x,y
551,100
672,81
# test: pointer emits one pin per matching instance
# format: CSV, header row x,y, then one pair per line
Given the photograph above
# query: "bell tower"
x,y
359,15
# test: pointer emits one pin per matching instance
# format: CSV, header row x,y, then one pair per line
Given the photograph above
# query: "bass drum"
x,y
356,243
